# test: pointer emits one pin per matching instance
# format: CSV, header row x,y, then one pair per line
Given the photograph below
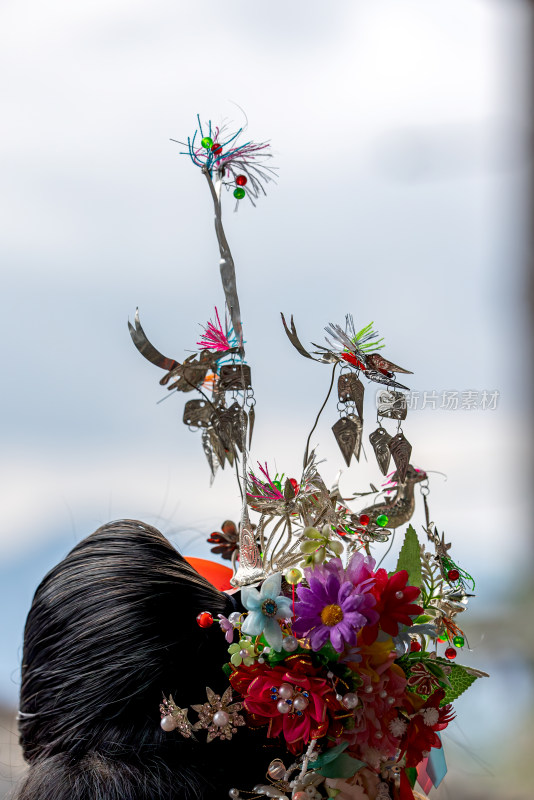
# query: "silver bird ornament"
x,y
398,509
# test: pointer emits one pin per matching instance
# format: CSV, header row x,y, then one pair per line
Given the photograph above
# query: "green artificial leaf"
x,y
459,681
410,557
454,684
411,774
344,766
276,656
227,669
436,669
329,755
328,653
423,618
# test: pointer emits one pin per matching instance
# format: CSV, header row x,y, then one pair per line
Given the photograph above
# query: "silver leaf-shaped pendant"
x,y
197,413
222,421
391,405
234,377
379,442
239,425
346,432
359,434
208,451
251,420
400,449
217,446
350,388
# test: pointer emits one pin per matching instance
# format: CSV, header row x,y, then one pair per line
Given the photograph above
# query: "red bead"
x,y
294,484
364,519
216,149
450,652
205,619
453,575
415,647
241,180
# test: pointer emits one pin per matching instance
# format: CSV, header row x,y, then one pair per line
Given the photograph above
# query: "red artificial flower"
x,y
421,733
393,603
310,699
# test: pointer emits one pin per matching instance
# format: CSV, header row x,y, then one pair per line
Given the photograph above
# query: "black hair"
x,y
111,629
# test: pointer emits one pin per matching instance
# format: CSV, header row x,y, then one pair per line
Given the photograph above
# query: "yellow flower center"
x,y
331,615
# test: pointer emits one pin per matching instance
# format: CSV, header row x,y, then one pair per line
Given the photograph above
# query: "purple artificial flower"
x,y
332,608
227,628
359,570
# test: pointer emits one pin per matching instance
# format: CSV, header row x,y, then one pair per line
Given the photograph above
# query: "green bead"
x,y
382,520
206,142
443,637
293,576
239,193
458,641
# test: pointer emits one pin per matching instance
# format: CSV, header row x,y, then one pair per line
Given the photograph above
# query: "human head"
x,y
111,628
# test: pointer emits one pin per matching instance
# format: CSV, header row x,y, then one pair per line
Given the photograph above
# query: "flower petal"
x,y
284,608
273,634
332,588
271,587
319,636
250,598
336,638
254,623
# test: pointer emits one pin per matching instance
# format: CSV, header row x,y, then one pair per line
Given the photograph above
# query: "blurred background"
x,y
401,130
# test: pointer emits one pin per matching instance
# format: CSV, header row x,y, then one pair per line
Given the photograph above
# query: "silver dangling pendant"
x,y
351,389
346,432
401,450
379,441
358,421
392,405
197,414
251,420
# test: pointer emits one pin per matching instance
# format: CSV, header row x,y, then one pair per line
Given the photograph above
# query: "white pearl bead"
x,y
282,707
382,693
286,691
290,644
329,674
244,653
168,723
261,660
350,700
368,689
300,703
234,618
234,793
339,698
391,700
221,718
399,595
